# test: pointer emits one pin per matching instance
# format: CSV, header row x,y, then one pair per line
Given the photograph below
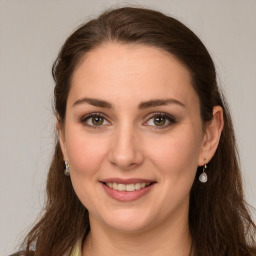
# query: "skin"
x,y
129,144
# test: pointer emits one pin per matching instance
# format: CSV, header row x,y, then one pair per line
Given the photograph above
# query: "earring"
x,y
203,176
67,170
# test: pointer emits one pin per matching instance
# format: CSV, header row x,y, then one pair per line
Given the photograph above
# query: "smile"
x,y
127,187
126,190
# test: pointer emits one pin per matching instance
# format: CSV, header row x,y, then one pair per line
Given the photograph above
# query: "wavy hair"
x,y
219,219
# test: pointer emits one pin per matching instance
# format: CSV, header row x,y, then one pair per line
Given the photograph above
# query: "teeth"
x,y
114,186
121,187
127,187
137,186
130,187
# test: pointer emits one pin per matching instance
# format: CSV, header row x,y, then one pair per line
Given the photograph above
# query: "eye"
x,y
160,120
95,119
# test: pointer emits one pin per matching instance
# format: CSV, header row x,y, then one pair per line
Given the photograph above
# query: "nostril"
x,y
126,159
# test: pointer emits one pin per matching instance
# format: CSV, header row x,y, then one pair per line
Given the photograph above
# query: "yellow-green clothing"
x,y
77,250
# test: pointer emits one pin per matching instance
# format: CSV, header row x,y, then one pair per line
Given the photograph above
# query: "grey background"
x,y
31,33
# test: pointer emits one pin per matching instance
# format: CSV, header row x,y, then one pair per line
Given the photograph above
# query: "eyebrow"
x,y
143,105
159,102
95,102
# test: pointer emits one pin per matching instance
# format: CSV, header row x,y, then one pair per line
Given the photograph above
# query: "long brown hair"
x,y
220,223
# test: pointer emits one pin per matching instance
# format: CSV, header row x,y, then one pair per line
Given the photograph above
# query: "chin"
x,y
127,221
128,226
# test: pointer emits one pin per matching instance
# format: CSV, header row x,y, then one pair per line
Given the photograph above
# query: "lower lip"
x,y
127,196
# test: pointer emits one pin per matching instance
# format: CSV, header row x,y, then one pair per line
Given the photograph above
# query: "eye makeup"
x,y
156,120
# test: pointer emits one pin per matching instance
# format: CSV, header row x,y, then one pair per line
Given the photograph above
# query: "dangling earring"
x,y
203,176
67,170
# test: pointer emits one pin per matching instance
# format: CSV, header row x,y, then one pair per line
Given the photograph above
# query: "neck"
x,y
172,239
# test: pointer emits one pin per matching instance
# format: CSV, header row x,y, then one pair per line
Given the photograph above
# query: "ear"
x,y
212,136
60,130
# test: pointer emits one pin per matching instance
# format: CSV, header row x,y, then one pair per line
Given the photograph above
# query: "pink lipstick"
x,y
126,190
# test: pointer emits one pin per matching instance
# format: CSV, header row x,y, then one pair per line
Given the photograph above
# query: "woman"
x,y
146,143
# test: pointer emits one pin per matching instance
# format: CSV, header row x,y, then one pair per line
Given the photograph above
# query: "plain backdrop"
x,y
31,34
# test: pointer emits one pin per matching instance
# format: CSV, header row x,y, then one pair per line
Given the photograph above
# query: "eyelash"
x,y
85,119
168,117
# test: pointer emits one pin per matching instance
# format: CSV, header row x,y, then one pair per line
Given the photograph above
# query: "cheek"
x,y
175,157
85,153
176,154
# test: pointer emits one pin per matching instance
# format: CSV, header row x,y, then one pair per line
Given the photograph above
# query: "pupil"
x,y
97,120
159,121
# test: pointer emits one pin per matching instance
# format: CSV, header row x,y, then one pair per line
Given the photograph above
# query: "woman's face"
x,y
133,136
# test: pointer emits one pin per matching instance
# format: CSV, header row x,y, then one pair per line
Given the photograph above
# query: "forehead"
x,y
126,72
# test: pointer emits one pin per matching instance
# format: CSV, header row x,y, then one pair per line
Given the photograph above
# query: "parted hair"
x,y
219,218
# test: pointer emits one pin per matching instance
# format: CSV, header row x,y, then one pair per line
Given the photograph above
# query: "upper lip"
x,y
127,181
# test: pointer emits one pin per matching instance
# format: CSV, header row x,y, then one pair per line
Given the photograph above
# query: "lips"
x,y
127,189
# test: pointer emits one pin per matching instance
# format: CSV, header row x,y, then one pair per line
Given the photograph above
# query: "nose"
x,y
126,152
